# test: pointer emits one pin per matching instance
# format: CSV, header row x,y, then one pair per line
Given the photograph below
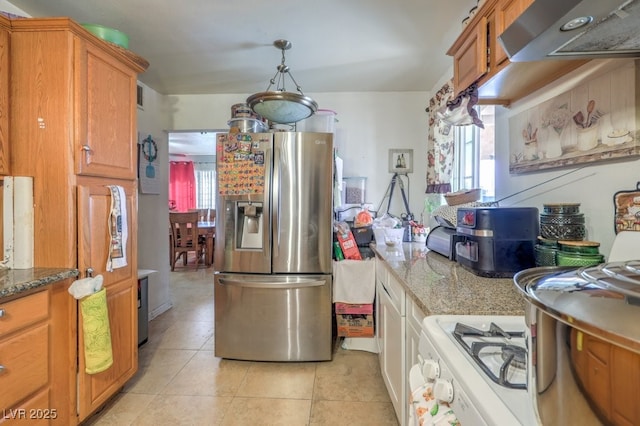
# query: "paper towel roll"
x,y
22,222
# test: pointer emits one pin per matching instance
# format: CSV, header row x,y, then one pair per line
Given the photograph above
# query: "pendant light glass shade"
x,y
280,106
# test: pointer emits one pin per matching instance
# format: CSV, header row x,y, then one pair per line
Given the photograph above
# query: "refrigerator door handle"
x,y
277,153
272,284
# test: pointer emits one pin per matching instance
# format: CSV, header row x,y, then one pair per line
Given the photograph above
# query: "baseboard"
x,y
160,310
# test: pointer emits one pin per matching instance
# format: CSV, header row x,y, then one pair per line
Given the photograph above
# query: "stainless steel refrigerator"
x,y
273,247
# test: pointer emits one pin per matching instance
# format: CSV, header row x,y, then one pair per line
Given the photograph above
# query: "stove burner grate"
x,y
512,356
515,355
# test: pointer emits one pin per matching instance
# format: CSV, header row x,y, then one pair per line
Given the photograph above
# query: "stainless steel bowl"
x,y
248,125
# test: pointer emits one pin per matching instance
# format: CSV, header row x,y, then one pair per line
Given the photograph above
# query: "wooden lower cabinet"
x,y
24,354
96,389
94,206
610,376
37,411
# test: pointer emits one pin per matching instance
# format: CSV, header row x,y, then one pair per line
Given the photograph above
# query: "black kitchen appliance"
x,y
496,242
442,240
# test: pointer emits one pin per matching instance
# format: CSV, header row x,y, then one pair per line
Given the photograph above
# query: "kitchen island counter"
x,y
442,287
18,282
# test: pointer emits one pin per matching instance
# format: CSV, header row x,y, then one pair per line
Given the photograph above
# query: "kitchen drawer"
x,y
396,293
36,411
20,313
25,367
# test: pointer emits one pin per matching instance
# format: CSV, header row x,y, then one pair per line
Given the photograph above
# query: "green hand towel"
x,y
98,355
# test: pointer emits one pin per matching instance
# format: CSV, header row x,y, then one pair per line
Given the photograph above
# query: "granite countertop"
x,y
442,287
16,281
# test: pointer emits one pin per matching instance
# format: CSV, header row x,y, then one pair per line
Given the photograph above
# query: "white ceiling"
x,y
214,46
191,143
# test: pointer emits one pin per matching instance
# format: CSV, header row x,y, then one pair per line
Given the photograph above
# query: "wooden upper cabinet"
x,y
505,13
470,57
107,119
478,57
76,90
4,96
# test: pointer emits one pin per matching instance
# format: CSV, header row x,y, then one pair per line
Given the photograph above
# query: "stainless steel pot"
x,y
581,322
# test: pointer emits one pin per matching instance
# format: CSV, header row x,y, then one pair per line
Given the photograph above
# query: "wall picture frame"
x,y
596,120
401,161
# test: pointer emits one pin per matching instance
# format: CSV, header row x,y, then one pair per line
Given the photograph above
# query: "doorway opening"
x,y
192,169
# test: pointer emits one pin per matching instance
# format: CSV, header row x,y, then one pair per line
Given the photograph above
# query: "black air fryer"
x,y
496,242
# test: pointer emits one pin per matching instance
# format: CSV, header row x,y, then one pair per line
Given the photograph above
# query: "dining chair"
x,y
185,238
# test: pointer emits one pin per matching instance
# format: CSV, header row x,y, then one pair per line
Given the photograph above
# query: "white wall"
x,y
369,124
153,210
593,187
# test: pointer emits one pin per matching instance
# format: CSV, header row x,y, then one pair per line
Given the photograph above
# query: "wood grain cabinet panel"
x,y
625,387
94,206
24,350
610,376
507,11
470,61
106,140
73,121
598,376
4,96
478,57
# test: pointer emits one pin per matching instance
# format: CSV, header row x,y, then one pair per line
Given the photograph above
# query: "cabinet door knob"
x,y
1,313
86,148
2,368
89,272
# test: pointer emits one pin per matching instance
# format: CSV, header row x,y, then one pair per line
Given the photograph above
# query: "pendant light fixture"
x,y
280,106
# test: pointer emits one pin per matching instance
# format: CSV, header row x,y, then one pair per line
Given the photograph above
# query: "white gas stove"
x,y
472,371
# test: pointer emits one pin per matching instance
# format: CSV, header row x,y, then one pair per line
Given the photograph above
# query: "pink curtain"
x,y
182,186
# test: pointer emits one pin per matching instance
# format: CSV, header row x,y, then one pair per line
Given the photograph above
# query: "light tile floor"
x,y
181,382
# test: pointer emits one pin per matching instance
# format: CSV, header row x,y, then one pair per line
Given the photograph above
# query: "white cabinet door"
x,y
413,321
392,355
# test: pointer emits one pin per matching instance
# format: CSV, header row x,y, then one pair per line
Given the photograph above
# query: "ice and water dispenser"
x,y
249,225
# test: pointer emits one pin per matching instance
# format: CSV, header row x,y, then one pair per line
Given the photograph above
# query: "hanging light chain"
x,y
278,79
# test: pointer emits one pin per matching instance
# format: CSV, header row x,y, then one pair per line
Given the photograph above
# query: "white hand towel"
x,y
118,229
354,281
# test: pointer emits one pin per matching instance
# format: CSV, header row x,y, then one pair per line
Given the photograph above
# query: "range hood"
x,y
574,29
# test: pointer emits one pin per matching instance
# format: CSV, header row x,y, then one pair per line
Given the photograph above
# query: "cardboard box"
x,y
355,325
351,308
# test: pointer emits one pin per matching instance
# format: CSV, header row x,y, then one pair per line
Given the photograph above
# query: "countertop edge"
x,y
439,286
14,282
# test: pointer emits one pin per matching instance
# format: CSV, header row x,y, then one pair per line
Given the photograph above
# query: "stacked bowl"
x,y
545,252
562,222
562,240
578,253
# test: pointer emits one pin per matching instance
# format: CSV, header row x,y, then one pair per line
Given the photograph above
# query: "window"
x,y
205,174
474,156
